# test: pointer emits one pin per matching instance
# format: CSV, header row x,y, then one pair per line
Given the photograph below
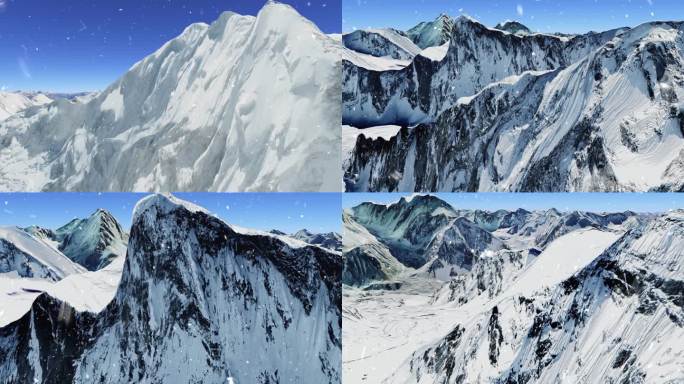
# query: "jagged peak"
x,y
165,203
418,198
467,19
303,232
103,213
512,26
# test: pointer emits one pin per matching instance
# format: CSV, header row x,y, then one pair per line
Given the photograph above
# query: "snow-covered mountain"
x,y
199,301
618,319
429,237
381,42
431,33
92,242
32,256
34,260
13,102
592,112
546,296
199,114
330,240
514,27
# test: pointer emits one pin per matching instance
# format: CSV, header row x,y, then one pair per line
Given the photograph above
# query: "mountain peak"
x,y
165,203
303,232
513,27
102,213
419,199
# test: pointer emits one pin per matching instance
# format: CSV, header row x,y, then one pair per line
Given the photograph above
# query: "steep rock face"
x,y
406,227
616,320
424,89
431,33
366,259
196,115
92,242
599,112
457,247
198,302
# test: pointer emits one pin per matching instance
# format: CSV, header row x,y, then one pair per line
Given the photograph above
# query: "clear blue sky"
x,y
288,212
568,16
81,45
592,202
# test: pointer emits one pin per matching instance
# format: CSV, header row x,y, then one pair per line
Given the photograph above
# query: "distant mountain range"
x,y
434,294
508,109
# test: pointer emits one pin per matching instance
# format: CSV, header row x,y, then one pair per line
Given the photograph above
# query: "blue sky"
x,y
288,212
569,16
83,45
592,202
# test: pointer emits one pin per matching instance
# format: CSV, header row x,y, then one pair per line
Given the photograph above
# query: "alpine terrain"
x,y
80,262
14,102
453,105
244,104
198,301
434,294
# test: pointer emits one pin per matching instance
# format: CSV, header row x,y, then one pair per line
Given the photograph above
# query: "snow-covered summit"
x,y
192,116
228,304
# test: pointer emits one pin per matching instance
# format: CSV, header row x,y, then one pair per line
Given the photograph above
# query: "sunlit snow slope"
x,y
244,104
547,296
13,102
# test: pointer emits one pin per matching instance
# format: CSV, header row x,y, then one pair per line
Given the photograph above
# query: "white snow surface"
x,y
13,102
85,292
198,114
41,250
436,53
381,329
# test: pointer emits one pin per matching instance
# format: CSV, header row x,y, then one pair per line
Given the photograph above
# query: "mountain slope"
x,y
330,240
13,102
521,297
196,115
381,42
92,242
608,122
198,302
513,27
30,256
423,236
421,91
615,320
431,33
366,259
